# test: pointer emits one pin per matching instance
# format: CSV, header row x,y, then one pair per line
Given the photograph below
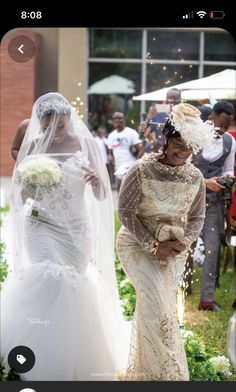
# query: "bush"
x,y
205,364
126,291
9,375
3,262
5,375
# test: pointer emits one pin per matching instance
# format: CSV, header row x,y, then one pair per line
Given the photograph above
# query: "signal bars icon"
x,y
188,16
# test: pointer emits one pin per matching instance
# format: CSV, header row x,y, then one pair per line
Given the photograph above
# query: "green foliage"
x,y
211,326
126,292
198,357
3,263
3,210
133,116
8,375
200,369
5,375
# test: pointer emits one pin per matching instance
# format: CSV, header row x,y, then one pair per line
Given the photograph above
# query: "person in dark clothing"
x,y
206,111
214,162
154,138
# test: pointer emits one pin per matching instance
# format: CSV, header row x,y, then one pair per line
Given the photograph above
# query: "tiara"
x,y
55,106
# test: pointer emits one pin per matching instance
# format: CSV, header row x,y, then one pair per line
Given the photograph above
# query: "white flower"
x,y
186,334
39,172
123,283
221,365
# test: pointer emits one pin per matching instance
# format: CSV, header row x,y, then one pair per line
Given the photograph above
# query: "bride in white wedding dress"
x,y
63,301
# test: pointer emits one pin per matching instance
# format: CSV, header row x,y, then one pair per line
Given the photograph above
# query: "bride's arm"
x,y
93,179
96,169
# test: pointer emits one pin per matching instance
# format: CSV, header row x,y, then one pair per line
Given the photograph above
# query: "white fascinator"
x,y
186,123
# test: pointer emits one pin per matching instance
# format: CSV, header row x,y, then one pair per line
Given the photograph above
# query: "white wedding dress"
x,y
54,309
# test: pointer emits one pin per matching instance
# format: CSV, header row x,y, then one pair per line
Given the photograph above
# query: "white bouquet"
x,y
39,174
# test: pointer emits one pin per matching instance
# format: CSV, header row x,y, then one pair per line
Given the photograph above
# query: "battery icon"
x,y
216,14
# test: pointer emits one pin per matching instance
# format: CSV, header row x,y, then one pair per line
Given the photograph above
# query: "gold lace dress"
x,y
155,197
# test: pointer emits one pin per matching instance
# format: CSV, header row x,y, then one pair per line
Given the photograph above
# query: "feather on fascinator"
x,y
185,122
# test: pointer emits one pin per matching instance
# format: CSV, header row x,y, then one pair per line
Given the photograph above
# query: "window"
x,y
115,43
220,47
102,106
165,75
173,45
178,56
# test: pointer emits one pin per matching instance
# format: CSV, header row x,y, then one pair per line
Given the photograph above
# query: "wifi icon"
x,y
201,14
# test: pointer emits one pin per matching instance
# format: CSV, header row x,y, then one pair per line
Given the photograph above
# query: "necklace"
x,y
57,139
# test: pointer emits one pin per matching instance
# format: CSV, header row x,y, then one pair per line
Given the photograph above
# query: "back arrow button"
x,y
20,49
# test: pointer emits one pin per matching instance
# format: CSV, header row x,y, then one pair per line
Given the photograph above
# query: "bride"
x,y
62,301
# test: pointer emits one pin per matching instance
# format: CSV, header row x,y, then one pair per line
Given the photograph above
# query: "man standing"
x,y
153,135
215,162
120,143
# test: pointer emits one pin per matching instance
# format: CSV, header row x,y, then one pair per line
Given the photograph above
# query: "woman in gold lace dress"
x,y
162,209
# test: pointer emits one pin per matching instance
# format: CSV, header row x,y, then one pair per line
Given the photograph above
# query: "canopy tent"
x,y
221,85
113,84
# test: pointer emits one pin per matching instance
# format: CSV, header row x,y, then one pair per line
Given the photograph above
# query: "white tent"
x,y
113,84
221,85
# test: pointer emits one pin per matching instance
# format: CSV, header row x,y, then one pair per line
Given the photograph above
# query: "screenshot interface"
x,y
118,200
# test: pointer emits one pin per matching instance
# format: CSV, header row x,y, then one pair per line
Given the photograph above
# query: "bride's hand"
x,y
90,176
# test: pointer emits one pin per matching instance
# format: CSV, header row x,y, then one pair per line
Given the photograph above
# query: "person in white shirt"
x,y
215,162
120,142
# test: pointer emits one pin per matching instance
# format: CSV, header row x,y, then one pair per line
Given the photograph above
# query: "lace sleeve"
x,y
129,199
196,216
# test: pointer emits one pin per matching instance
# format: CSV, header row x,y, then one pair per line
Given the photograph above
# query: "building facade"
x,y
69,60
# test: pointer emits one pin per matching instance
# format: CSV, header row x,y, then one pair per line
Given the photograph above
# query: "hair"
x,y
101,127
205,112
223,107
169,130
174,89
53,105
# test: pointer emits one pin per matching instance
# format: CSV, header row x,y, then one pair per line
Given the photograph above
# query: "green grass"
x,y
212,326
117,223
